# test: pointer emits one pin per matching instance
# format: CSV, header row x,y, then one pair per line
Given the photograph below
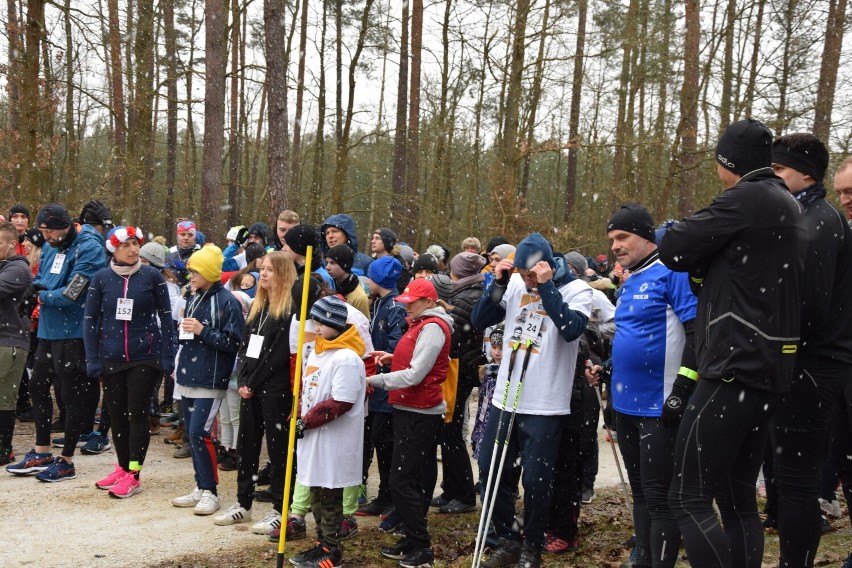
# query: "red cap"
x,y
601,257
416,289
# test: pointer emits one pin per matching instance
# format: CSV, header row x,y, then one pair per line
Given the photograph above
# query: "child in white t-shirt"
x,y
330,453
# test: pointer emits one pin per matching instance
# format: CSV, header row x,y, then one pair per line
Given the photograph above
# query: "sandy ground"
x,y
73,523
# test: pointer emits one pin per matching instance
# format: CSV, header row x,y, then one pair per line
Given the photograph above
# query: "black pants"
x,y
126,395
799,433
378,435
567,490
327,507
62,360
718,452
415,438
455,460
590,412
647,448
260,414
841,440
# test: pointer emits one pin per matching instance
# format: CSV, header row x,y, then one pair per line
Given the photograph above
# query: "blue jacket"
x,y
143,338
385,331
207,360
60,317
347,224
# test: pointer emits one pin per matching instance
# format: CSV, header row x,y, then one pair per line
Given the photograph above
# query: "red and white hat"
x,y
120,234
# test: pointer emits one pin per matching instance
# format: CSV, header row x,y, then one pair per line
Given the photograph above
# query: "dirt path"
x,y
73,523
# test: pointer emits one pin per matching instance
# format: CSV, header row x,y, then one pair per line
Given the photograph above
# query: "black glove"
x,y
300,429
503,279
98,212
242,236
675,404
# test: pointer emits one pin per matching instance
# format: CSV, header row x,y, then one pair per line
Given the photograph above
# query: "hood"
x,y
261,230
15,260
88,233
346,224
602,284
561,274
533,249
349,339
437,312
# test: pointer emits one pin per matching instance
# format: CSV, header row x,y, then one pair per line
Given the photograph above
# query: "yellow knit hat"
x,y
207,262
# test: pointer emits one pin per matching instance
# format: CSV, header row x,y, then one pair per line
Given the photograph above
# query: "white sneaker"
x,y
208,504
188,500
235,514
831,508
267,524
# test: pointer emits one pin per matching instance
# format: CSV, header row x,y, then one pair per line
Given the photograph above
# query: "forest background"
x,y
440,119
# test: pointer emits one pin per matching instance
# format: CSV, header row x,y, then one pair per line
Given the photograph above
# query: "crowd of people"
x,y
722,343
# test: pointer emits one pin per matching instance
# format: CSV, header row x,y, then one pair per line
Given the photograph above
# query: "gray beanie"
x,y
578,261
503,251
154,253
330,311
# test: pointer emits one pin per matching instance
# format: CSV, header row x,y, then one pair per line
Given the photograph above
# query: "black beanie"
x,y
633,218
343,256
744,147
19,208
35,237
300,237
495,242
254,251
425,262
388,238
53,216
802,152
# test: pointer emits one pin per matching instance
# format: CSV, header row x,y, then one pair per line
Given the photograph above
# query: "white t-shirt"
x,y
550,373
331,456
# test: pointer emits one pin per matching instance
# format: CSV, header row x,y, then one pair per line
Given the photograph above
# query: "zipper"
x,y
126,332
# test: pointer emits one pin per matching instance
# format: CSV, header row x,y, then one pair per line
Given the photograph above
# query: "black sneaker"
x,y
824,525
307,555
372,509
263,496
588,495
57,426
263,475
457,506
325,558
420,558
507,553
530,558
398,551
439,501
25,415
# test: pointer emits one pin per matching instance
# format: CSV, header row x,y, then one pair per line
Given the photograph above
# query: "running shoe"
x,y
391,523
267,524
7,457
307,555
84,438
98,444
33,462
236,513
110,480
555,545
349,527
423,558
191,499
59,470
297,529
207,504
127,486
325,558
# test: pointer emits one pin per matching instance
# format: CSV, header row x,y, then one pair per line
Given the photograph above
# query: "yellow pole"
x,y
297,387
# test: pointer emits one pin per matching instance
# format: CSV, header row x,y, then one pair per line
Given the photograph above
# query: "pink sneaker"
x,y
111,479
128,486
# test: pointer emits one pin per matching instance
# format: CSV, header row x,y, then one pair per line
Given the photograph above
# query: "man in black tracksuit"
x,y
746,250
800,425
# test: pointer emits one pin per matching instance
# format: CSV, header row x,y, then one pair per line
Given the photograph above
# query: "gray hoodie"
x,y
15,278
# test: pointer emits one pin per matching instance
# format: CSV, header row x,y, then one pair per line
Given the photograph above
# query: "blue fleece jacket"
x,y
143,337
385,331
347,224
207,360
59,316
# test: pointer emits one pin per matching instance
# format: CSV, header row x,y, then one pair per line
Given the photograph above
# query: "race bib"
x,y
255,343
531,327
184,334
124,309
58,262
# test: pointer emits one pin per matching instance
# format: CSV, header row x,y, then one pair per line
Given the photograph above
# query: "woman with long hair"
x,y
263,376
128,349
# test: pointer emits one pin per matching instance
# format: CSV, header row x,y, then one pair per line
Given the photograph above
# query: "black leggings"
x,y
260,414
718,453
841,440
127,394
63,361
457,471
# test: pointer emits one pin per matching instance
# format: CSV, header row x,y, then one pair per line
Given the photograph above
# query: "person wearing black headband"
x,y
745,253
800,427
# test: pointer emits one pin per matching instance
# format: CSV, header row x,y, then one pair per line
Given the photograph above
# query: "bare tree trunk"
x,y
755,58
279,175
412,162
14,36
69,173
234,160
171,111
689,111
255,163
574,116
118,109
215,67
402,217
296,169
622,127
138,185
828,68
727,67
319,144
535,97
32,166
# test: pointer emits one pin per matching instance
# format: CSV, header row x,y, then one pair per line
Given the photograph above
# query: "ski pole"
x,y
614,453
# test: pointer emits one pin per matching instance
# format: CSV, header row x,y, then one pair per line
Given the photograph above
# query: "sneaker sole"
x,y
263,531
394,556
95,452
424,565
134,491
231,521
28,471
182,505
349,534
205,513
57,480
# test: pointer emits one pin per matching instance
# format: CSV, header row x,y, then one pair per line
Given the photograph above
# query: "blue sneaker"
x,y
390,524
98,443
33,462
59,470
60,442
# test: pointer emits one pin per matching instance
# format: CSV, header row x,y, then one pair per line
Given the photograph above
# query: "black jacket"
x,y
269,374
15,279
749,248
826,290
466,338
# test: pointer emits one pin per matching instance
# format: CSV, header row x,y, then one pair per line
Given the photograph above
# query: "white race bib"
x,y
124,309
255,343
58,261
184,334
531,327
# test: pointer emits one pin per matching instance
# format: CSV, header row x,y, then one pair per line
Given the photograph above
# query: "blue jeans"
x,y
198,415
535,439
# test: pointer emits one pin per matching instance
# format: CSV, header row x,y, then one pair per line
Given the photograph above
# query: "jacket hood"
x,y
261,230
14,260
533,249
602,284
346,224
437,312
349,339
561,274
